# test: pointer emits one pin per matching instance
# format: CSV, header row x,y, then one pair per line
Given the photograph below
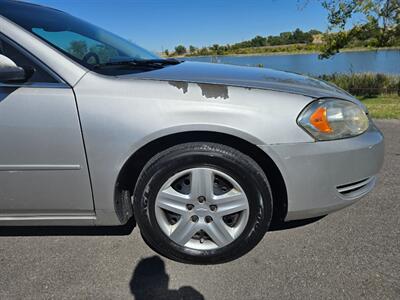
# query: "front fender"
x,y
119,116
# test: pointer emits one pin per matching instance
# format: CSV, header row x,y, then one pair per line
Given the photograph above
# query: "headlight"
x,y
331,119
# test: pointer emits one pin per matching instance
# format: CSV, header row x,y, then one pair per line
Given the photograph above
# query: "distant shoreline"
x,y
299,52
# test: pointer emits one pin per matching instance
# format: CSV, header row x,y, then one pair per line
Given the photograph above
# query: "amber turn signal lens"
x,y
319,120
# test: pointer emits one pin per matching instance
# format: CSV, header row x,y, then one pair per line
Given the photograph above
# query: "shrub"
x,y
366,84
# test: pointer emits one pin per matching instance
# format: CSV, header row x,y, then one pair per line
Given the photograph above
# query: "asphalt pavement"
x,y
351,254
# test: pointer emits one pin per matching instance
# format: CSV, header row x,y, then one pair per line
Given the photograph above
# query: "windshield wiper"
x,y
140,63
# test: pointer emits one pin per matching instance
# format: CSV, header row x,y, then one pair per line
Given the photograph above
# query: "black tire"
x,y
223,158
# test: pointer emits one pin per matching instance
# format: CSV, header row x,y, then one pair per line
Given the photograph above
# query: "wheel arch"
x,y
131,169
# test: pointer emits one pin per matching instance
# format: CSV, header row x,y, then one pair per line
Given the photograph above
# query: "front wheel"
x,y
202,203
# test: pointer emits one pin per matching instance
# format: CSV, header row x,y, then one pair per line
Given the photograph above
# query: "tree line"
x,y
379,26
285,38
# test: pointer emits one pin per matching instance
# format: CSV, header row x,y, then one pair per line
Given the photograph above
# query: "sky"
x,y
162,24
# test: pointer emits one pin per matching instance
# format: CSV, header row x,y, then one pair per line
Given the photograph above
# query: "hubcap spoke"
x,y
231,202
184,231
173,201
219,232
202,183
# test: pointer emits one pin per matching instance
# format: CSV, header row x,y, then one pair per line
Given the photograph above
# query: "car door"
x,y
43,167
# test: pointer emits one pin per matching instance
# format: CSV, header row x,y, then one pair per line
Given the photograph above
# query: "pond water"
x,y
382,61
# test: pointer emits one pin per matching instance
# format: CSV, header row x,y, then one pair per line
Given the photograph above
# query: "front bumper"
x,y
323,177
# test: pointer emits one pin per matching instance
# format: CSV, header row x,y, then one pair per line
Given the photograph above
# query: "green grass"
x,y
379,92
383,107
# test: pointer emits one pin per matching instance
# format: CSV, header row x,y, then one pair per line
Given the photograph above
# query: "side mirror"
x,y
11,73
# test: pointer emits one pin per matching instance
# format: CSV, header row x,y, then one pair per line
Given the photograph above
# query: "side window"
x,y
21,59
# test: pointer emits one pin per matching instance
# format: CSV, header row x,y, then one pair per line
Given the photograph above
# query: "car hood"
x,y
249,77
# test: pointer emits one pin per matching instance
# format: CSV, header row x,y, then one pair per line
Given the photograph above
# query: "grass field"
x,y
383,107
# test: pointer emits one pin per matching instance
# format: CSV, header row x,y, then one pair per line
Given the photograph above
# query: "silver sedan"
x,y
95,130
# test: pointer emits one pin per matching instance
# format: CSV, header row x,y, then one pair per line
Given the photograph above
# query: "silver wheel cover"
x,y
201,214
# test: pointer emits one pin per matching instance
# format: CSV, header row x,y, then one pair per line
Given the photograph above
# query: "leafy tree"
x,y
258,41
166,52
192,49
180,49
215,47
204,51
285,38
104,52
314,32
299,37
382,23
78,49
274,40
295,37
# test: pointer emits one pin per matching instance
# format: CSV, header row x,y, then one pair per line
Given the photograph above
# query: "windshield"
x,y
85,43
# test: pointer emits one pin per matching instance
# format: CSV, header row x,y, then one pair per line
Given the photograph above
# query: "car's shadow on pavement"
x,y
111,230
277,226
150,281
68,230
